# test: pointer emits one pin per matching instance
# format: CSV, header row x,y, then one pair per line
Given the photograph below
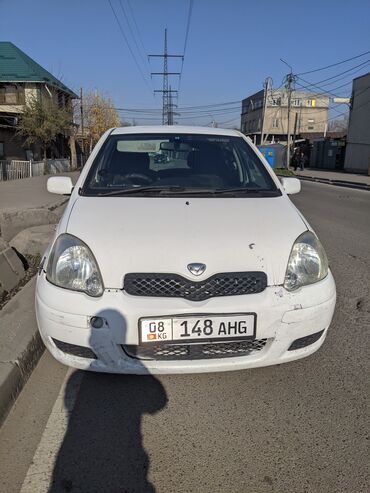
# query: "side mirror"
x,y
291,185
61,185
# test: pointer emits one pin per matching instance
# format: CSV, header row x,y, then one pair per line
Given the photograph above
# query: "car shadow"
x,y
102,449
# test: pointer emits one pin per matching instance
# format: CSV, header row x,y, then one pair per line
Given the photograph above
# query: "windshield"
x,y
169,164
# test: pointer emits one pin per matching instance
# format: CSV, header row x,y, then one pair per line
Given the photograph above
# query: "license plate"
x,y
195,328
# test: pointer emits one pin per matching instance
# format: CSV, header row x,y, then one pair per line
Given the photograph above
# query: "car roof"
x,y
175,129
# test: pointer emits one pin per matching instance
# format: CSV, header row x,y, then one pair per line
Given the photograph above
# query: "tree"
x,y
99,116
42,120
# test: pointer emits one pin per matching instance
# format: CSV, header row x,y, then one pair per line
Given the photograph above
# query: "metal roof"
x,y
16,66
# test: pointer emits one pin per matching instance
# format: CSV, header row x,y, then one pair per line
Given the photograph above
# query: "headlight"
x,y
72,266
307,263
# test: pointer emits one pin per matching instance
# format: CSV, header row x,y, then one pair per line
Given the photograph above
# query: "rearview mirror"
x,y
291,185
61,185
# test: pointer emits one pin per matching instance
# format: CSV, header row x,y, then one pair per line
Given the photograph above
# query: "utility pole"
x,y
289,82
289,87
265,87
295,129
82,121
167,114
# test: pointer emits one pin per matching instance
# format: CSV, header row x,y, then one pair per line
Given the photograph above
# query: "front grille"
x,y
305,341
74,349
194,351
176,286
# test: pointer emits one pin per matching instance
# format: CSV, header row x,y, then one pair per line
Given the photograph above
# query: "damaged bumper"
x,y
291,324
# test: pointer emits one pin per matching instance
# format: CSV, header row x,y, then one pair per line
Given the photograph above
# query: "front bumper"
x,y
282,318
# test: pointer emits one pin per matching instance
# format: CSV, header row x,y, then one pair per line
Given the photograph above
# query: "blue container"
x,y
274,154
269,155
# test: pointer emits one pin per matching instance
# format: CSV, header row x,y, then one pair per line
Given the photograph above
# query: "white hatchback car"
x,y
179,251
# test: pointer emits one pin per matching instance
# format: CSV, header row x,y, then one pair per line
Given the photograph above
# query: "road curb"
x,y
20,345
338,183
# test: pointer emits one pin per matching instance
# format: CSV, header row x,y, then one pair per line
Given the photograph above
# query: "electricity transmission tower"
x,y
167,92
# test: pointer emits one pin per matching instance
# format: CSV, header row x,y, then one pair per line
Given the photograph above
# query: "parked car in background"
x,y
160,158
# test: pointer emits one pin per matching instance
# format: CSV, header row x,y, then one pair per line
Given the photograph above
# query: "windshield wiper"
x,y
221,191
134,190
180,190
176,189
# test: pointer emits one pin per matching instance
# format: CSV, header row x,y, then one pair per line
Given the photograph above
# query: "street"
x,y
298,427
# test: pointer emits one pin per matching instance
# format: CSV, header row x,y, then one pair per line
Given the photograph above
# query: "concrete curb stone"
x,y
12,269
20,345
35,240
338,183
12,223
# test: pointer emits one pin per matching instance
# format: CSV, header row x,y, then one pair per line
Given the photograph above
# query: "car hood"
x,y
164,235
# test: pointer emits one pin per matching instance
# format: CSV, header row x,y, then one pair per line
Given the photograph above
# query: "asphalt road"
x,y
298,427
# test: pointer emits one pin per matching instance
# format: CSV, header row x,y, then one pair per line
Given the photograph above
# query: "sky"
x,y
232,46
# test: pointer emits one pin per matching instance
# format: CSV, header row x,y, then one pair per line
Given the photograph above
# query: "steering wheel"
x,y
137,179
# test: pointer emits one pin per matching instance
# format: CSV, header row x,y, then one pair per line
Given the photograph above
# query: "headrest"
x,y
129,162
206,160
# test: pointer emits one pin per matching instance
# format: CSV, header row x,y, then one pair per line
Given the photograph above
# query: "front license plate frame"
x,y
199,339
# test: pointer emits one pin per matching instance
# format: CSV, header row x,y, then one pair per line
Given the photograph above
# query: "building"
x,y
357,158
22,79
328,152
309,114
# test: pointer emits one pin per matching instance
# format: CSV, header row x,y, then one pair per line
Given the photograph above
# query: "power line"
x,y
144,60
157,112
183,115
332,118
334,64
211,105
188,110
191,117
228,121
185,108
187,116
322,91
334,79
331,92
191,3
341,73
136,26
345,76
128,45
351,70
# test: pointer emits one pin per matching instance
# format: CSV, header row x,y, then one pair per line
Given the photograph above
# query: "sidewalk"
x,y
335,178
29,193
25,203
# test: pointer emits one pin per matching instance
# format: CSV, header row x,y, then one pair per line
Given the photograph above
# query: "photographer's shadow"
x,y
102,450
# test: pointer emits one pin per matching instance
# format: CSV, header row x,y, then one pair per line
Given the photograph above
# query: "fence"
x,y
15,170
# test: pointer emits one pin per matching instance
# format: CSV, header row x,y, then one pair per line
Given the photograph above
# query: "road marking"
x,y
40,471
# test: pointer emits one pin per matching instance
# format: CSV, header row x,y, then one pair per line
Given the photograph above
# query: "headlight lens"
x,y
72,266
307,263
